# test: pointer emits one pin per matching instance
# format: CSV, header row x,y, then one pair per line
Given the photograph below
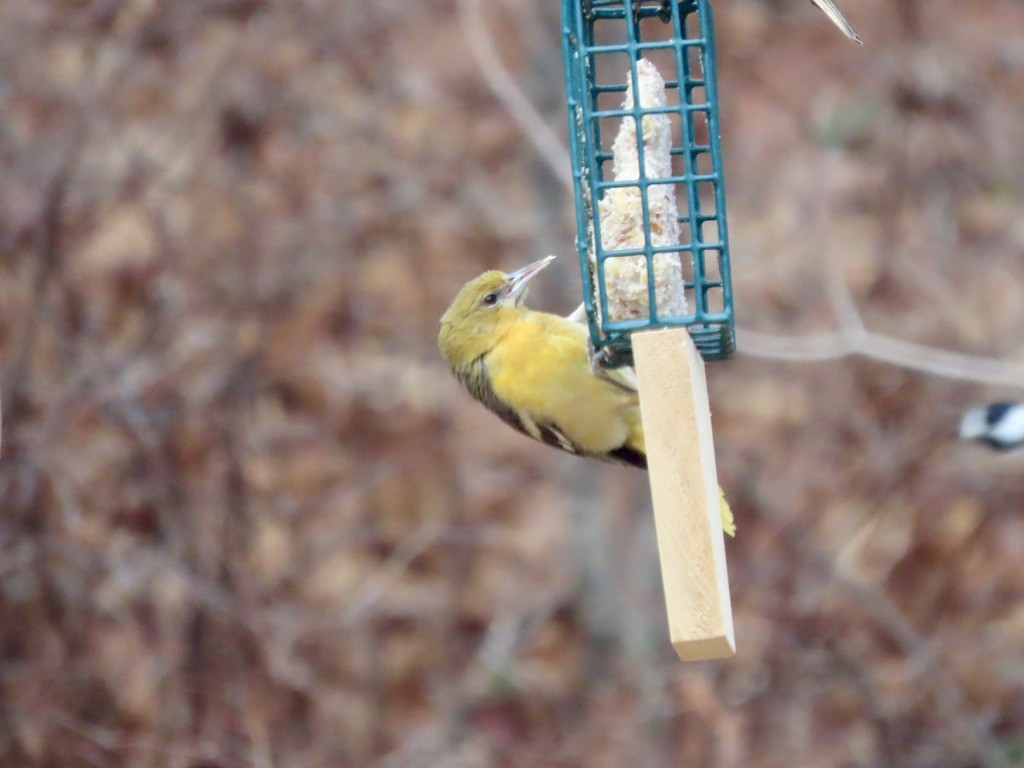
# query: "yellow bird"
x,y
533,370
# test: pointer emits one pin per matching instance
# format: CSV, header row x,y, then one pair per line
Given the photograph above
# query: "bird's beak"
x,y
520,279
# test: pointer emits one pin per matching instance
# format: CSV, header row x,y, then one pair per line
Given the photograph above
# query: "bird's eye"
x,y
490,299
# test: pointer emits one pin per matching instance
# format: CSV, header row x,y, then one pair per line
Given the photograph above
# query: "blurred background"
x,y
248,519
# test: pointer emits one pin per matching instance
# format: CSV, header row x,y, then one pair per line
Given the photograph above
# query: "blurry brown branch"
x,y
504,87
897,352
49,237
921,655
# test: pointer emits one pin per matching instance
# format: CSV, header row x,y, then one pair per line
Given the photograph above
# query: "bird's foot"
x,y
598,357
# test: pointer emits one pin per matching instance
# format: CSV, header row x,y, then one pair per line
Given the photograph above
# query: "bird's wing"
x,y
831,10
627,455
478,383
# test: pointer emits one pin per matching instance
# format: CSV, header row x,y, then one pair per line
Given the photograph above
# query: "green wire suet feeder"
x,y
603,41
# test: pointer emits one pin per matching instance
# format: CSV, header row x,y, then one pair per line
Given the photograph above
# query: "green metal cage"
x,y
602,42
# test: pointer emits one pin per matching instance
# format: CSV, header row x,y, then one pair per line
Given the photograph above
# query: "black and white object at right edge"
x,y
998,425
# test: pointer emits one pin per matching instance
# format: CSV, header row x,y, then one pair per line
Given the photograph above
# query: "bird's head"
x,y
482,312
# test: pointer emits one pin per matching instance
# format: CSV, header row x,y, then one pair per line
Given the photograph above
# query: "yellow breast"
x,y
541,369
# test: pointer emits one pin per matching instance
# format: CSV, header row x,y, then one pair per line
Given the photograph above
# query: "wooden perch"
x,y
684,489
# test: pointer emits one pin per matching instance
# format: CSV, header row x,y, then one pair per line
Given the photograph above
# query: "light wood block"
x,y
684,489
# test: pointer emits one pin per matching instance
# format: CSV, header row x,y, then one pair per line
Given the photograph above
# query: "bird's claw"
x,y
598,357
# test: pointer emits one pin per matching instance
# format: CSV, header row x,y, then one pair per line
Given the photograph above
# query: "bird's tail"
x,y
728,521
634,453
